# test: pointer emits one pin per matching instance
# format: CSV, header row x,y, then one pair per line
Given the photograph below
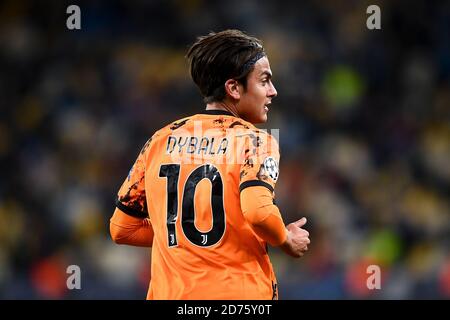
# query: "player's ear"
x,y
232,89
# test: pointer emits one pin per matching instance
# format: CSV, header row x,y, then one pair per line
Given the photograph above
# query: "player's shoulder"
x,y
170,127
259,136
173,125
239,123
208,120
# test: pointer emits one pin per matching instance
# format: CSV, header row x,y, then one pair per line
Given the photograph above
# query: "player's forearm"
x,y
125,229
264,217
272,230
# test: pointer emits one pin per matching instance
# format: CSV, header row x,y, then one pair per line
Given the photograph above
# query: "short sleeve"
x,y
261,161
131,197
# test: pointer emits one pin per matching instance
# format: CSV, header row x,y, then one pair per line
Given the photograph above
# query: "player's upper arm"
x,y
260,161
126,229
258,177
130,223
131,198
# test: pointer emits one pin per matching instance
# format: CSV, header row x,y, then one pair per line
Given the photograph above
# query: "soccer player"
x,y
201,192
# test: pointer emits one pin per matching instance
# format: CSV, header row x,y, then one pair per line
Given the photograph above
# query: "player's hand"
x,y
297,240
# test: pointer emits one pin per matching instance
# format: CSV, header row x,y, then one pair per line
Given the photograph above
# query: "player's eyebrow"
x,y
266,73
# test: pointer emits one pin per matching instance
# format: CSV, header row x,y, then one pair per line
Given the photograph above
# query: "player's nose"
x,y
272,93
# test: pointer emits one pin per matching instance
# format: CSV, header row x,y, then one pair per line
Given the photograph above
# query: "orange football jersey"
x,y
187,180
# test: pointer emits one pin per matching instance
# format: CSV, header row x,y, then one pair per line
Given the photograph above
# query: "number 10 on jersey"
x,y
195,236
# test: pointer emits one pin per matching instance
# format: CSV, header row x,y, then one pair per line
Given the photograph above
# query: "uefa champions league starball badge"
x,y
271,167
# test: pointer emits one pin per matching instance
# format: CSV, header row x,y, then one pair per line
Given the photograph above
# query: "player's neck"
x,y
223,106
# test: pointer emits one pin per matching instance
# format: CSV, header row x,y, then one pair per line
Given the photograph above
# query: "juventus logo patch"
x,y
271,167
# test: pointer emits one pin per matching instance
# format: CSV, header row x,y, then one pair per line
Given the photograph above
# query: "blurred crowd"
x,y
364,120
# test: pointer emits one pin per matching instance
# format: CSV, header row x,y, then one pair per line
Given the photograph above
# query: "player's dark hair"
x,y
217,57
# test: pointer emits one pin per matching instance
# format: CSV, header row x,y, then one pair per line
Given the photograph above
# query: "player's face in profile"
x,y
254,103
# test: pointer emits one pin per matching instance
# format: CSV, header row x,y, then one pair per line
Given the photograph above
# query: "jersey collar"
x,y
217,112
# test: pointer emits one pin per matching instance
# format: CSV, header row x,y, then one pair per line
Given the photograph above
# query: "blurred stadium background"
x,y
364,120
